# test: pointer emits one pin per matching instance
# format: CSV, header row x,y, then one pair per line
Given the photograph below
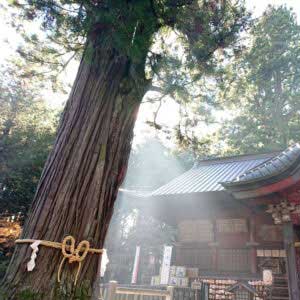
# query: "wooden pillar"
x,y
214,248
288,237
253,260
214,251
112,288
253,244
170,295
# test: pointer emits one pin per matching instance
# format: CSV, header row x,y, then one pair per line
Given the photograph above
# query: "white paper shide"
x,y
35,249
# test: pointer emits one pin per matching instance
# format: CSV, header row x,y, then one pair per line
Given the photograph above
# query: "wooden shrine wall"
x,y
226,244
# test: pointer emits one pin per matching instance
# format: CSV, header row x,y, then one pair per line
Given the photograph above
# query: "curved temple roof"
x,y
273,166
273,175
244,176
207,175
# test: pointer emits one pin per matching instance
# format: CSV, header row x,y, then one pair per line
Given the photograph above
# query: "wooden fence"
x,y
114,291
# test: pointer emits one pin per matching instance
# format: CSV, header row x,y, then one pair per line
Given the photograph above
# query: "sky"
x,y
168,113
258,6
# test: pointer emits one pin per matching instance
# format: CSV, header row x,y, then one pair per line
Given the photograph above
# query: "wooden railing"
x,y
116,292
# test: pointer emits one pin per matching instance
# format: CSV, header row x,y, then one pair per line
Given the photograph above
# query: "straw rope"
x,y
68,251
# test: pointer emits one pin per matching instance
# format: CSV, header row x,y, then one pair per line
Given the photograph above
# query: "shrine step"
x,y
280,288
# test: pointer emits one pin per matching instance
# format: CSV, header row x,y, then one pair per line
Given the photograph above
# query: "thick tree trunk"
x,y
79,184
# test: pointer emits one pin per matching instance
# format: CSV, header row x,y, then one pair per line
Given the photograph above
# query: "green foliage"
x,y
262,86
27,129
252,104
3,295
175,42
60,293
131,28
213,25
28,295
24,295
69,291
3,266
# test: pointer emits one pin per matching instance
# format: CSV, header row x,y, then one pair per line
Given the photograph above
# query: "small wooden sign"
x,y
196,285
166,263
267,277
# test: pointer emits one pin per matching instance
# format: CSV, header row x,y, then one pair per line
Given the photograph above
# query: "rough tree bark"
x,y
79,184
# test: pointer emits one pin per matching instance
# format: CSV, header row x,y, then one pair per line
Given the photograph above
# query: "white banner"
x,y
166,263
136,265
267,277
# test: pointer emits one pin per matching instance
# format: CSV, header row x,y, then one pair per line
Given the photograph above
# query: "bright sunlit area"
x,y
150,149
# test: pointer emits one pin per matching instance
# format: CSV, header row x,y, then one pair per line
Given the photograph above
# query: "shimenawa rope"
x,y
68,251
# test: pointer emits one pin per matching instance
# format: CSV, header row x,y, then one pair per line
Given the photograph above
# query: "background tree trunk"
x,y
80,181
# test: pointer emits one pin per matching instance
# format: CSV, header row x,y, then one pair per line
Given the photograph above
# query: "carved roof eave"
x,y
266,183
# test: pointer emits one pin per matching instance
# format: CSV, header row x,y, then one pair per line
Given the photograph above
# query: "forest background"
x,y
253,97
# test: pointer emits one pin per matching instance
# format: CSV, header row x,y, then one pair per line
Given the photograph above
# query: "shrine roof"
x,y
207,175
283,162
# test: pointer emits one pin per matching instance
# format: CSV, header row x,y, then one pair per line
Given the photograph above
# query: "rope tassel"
x,y
73,255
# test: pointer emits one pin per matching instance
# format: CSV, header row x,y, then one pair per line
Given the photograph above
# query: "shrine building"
x,y
238,224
